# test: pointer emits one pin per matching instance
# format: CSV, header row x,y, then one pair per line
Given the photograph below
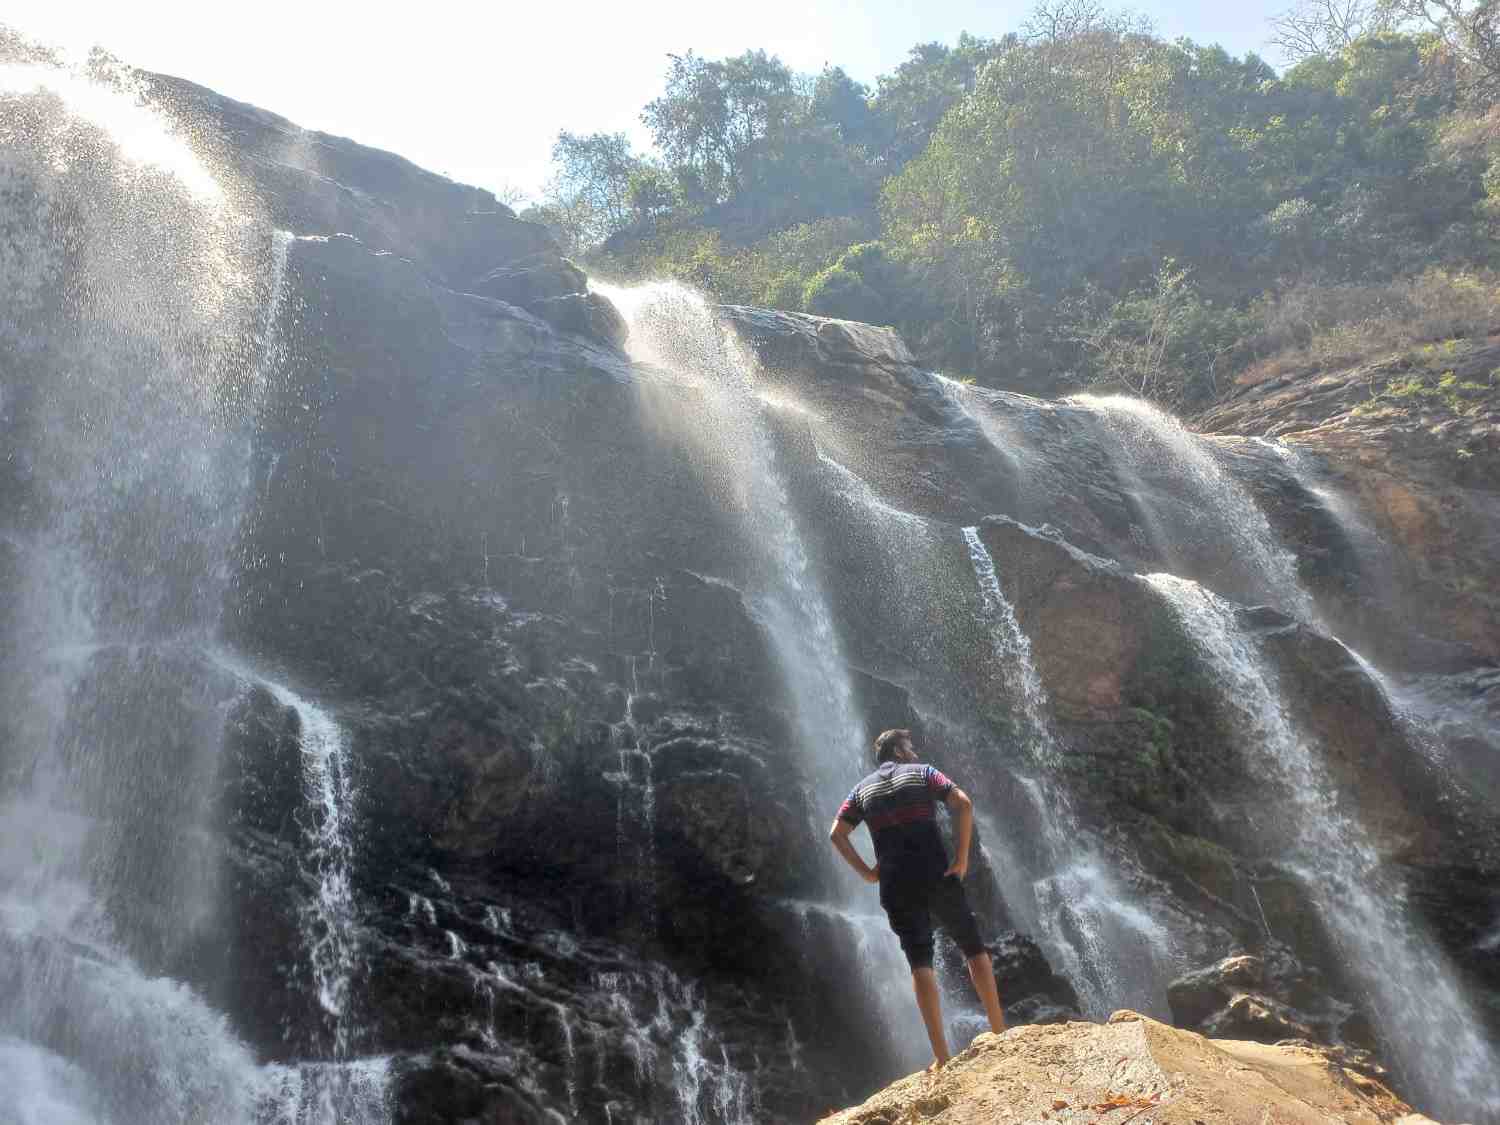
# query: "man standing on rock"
x,y
898,801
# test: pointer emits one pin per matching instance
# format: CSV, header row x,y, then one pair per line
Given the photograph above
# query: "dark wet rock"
x,y
555,290
554,692
457,1084
261,769
588,314
526,281
1269,998
1226,1001
1030,990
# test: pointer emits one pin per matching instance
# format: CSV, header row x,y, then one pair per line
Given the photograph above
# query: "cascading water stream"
x,y
1114,953
1363,905
1197,512
144,309
329,922
131,332
1430,1027
965,397
1423,716
675,330
635,817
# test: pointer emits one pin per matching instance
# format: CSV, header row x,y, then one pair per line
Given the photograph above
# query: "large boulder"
x,y
1262,998
1077,1072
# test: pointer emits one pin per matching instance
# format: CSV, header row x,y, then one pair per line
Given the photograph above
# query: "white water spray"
x,y
724,422
148,308
1199,513
1413,989
1115,954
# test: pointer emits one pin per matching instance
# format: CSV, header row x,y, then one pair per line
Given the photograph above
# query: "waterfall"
x,y
1373,552
1423,717
136,296
1201,519
675,330
328,918
343,1090
1437,1040
1012,650
963,396
672,1028
1115,953
146,307
352,1093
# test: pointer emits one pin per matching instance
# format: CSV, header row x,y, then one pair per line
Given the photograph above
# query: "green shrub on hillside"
x,y
1085,203
843,293
784,292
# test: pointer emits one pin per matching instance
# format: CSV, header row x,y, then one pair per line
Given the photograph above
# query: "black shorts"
x,y
910,904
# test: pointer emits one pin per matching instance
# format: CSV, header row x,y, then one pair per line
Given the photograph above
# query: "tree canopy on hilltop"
x,y
1078,201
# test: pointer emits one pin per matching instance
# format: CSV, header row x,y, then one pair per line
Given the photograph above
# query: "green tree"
x,y
712,116
911,101
651,193
589,193
840,101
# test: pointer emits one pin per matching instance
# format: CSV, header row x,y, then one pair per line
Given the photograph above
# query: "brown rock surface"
x,y
1132,1069
1421,462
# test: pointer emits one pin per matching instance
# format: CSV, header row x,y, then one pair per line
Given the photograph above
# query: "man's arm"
x,y
962,809
839,835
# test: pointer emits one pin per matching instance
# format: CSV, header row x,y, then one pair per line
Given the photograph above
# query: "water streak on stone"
x,y
1363,904
674,329
1114,953
1212,519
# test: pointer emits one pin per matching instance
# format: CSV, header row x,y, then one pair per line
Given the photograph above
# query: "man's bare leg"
x,y
982,973
924,984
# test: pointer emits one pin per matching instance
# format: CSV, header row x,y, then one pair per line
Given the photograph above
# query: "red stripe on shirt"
x,y
906,815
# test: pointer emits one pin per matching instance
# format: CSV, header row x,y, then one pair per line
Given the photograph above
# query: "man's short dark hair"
x,y
888,743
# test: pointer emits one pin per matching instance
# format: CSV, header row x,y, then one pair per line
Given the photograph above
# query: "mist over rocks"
x,y
585,857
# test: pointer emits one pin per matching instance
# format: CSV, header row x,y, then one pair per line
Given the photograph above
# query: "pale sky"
x,y
478,91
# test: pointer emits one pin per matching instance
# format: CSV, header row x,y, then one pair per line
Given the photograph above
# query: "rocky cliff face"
x,y
586,866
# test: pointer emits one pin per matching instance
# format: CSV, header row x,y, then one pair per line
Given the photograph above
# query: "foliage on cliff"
x,y
1079,201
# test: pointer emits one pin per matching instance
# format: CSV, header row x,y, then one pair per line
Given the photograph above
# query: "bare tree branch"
x,y
1470,28
1325,27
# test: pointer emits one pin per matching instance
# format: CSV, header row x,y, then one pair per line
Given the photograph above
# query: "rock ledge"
x,y
1132,1069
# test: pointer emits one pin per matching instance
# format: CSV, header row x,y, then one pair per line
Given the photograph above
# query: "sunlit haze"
x,y
479,92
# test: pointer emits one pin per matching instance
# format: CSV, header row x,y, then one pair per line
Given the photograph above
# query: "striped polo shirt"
x,y
899,802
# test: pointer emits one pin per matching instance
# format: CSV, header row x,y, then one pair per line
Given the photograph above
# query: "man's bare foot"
x,y
936,1065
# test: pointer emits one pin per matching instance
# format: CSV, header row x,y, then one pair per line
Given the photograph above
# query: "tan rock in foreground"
x,y
1132,1069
